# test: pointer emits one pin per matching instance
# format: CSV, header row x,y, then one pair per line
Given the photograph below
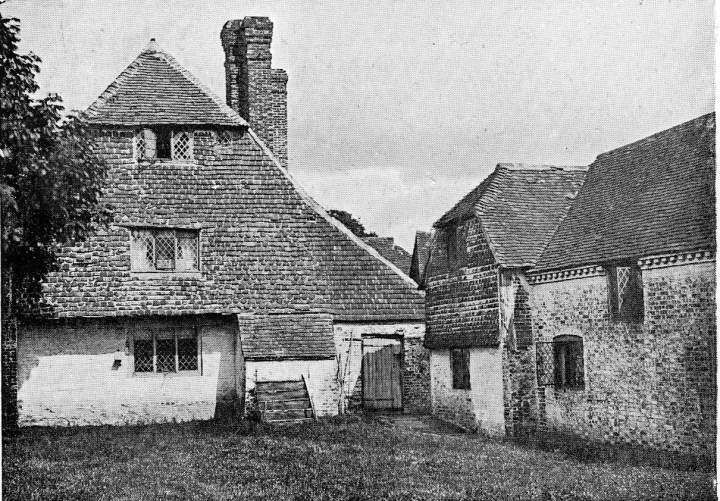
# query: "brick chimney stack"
x,y
254,89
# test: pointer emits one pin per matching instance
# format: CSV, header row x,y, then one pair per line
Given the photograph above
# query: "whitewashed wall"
x,y
65,377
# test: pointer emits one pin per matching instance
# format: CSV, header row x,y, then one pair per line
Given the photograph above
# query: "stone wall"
x,y
415,376
66,375
651,385
479,408
320,377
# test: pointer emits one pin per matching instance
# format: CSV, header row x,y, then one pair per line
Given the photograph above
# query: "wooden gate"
x,y
381,378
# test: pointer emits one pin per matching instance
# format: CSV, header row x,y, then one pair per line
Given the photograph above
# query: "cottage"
x,y
623,300
220,285
478,321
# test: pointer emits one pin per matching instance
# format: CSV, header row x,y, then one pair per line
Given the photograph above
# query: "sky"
x,y
396,109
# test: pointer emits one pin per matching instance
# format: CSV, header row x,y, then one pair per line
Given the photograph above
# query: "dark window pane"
x,y
187,354
143,350
163,143
460,365
165,351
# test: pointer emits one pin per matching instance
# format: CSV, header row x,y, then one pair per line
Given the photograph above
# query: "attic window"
x,y
163,143
164,250
224,137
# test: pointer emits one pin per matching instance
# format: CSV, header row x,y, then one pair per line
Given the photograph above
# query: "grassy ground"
x,y
337,459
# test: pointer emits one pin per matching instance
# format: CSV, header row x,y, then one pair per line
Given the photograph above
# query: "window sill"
x,y
159,275
166,161
166,374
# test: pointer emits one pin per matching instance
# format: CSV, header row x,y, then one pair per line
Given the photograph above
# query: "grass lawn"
x,y
336,459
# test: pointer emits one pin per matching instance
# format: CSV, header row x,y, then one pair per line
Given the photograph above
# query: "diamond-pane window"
x,y
140,144
224,137
173,350
143,355
164,250
182,146
626,294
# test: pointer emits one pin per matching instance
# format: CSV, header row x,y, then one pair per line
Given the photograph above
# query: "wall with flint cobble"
x,y
652,384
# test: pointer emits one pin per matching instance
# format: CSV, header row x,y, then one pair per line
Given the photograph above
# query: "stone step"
x,y
291,403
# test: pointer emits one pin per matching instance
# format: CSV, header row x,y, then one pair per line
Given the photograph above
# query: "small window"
x,y
560,363
182,146
626,294
460,365
171,250
168,351
224,137
451,245
163,143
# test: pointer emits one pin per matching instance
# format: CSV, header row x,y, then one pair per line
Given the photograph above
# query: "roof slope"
x,y
265,245
393,253
420,255
519,207
653,196
156,89
288,337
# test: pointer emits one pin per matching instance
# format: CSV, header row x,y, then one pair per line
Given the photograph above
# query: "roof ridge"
x,y
520,166
653,137
312,203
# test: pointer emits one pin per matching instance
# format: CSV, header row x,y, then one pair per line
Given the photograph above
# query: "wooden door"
x,y
381,378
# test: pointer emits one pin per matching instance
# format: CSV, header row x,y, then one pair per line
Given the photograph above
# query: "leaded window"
x,y
224,137
164,351
460,366
560,362
170,250
625,293
182,146
161,142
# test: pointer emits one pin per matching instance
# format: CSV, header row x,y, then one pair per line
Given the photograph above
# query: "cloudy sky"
x,y
398,108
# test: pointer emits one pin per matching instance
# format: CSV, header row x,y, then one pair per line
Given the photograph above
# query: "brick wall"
x,y
651,385
66,376
254,89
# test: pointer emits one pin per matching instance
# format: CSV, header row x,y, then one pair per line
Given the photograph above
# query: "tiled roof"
x,y
156,89
393,253
266,246
653,196
420,255
287,337
519,207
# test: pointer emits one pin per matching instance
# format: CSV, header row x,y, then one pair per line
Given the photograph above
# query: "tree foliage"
x,y
351,223
51,179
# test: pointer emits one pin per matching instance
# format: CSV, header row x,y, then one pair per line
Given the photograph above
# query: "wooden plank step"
x,y
270,416
280,385
292,403
290,421
264,396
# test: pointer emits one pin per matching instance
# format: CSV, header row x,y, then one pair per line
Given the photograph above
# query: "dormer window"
x,y
163,143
